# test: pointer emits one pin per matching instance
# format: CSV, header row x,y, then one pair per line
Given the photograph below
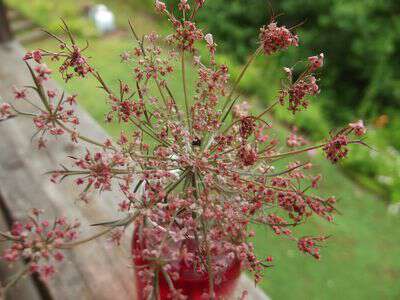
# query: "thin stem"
x,y
305,150
83,138
268,109
236,84
174,101
150,133
208,255
102,82
185,88
230,108
209,264
8,236
88,239
13,281
76,173
154,295
168,279
294,152
23,113
39,89
161,93
33,105
172,186
268,175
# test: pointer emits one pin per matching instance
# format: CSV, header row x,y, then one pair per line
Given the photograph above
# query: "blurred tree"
x,y
361,39
236,23
5,32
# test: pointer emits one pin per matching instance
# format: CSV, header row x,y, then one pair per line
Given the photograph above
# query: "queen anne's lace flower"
x,y
336,148
358,127
316,62
200,170
40,243
274,38
299,91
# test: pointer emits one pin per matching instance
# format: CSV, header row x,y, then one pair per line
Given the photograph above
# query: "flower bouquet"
x,y
197,170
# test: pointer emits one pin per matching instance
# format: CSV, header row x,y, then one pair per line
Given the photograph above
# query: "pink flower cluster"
x,y
358,127
304,86
186,34
160,6
5,111
75,61
74,64
210,87
183,5
97,169
298,92
35,55
309,246
195,174
20,93
56,118
336,148
274,38
150,61
200,3
248,155
43,72
39,242
316,61
295,140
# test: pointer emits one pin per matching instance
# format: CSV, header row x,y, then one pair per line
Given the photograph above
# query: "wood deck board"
x,y
91,271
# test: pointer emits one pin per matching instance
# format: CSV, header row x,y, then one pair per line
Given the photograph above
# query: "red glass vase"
x,y
191,283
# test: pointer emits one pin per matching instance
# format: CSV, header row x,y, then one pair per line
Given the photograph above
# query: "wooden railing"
x,y
5,29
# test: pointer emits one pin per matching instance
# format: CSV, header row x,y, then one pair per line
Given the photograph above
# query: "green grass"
x,y
48,14
361,260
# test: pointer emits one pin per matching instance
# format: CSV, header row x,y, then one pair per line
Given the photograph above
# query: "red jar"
x,y
192,283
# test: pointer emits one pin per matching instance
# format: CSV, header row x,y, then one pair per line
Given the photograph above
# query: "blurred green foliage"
x,y
48,14
361,42
237,25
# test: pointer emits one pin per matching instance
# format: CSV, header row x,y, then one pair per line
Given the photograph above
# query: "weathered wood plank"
x,y
254,293
5,32
92,271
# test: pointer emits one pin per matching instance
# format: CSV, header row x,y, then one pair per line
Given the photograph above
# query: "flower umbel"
x,y
198,169
274,38
39,242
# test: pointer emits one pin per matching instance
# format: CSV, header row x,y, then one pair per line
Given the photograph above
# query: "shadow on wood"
x,y
5,31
